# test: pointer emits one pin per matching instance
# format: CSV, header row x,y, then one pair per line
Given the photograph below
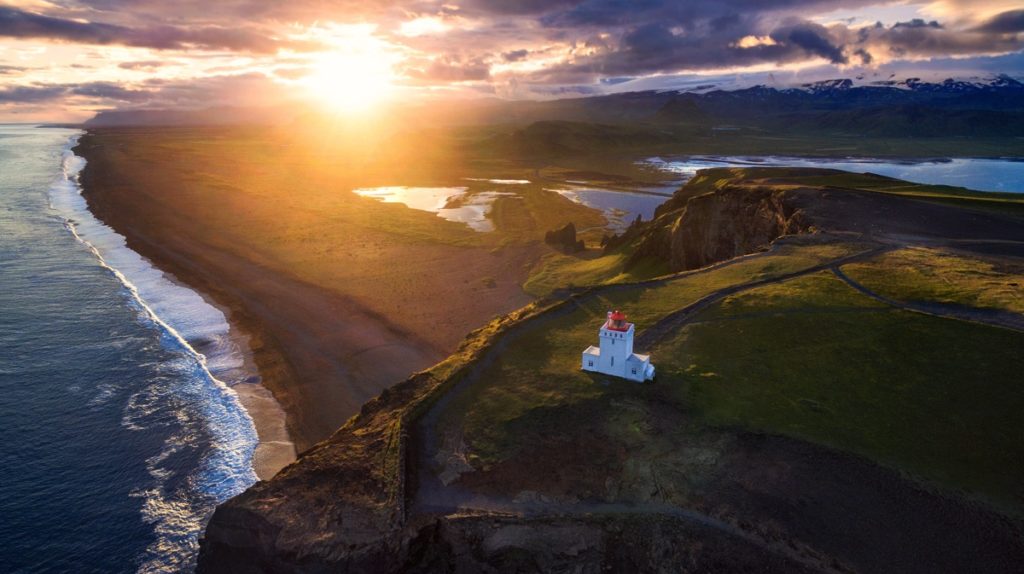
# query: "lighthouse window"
x,y
613,361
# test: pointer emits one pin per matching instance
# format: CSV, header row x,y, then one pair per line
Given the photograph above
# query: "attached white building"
x,y
615,354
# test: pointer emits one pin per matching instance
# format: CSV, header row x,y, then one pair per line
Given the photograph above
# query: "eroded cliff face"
x,y
692,232
339,508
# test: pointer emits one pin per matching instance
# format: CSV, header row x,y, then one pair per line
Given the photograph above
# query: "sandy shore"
x,y
332,316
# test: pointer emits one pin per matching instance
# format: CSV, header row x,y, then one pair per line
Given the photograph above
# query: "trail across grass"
x,y
773,343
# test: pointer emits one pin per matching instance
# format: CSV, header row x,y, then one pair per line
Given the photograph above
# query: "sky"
x,y
64,60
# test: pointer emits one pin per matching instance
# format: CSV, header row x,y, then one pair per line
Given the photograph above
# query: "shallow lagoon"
x,y
620,208
451,203
1002,175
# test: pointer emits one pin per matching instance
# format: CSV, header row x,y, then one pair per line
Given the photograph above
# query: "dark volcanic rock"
x,y
565,238
721,225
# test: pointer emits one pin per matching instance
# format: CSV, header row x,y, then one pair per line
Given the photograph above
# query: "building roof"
x,y
638,358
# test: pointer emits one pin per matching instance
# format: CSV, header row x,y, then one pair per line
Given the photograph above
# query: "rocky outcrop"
x,y
719,225
565,238
341,507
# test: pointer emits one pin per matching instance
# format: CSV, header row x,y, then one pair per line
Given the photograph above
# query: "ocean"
x,y
119,438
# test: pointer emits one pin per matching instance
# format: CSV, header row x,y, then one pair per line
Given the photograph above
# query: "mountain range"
x,y
990,107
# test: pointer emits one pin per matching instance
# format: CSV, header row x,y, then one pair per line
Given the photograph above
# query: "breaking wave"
x,y
190,404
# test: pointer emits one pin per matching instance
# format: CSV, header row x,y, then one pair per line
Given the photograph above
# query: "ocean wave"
x,y
191,402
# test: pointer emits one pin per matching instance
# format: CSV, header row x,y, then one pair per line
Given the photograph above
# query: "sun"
x,y
351,80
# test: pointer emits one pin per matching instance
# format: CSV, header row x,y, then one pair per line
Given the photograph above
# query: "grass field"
x,y
809,358
543,369
815,360
921,274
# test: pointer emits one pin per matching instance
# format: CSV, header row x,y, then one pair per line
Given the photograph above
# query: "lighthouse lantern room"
x,y
615,354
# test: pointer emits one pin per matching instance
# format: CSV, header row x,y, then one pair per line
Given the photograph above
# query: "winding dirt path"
x,y
433,496
672,322
992,317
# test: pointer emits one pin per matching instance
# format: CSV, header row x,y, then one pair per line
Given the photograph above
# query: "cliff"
x,y
720,225
350,503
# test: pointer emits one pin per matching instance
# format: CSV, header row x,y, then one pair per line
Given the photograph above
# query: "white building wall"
x,y
615,356
616,347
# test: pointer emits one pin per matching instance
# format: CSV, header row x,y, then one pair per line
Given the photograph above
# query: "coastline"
x,y
226,356
321,348
275,448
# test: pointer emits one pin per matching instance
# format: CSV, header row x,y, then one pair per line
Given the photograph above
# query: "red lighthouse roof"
x,y
617,321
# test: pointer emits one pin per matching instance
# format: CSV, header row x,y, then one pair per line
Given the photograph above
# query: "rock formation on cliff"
x,y
565,238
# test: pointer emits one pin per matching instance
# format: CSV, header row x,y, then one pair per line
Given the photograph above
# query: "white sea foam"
x,y
193,392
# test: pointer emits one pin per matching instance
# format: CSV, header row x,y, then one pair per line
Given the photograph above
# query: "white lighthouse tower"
x,y
615,356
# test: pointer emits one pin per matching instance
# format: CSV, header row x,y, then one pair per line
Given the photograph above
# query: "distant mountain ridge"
x,y
911,107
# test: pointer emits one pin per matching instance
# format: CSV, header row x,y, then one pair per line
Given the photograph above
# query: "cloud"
x,y
144,65
813,38
449,69
16,23
11,70
110,91
918,23
31,94
1010,22
515,55
103,91
921,40
252,49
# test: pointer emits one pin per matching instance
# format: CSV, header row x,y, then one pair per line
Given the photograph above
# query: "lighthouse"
x,y
615,354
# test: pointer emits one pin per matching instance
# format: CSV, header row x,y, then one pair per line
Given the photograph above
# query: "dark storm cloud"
x,y
692,13
518,8
31,94
918,23
811,38
1010,22
919,39
655,48
16,23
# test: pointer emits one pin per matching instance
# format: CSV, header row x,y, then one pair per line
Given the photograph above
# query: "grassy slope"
x,y
543,369
812,359
920,274
815,360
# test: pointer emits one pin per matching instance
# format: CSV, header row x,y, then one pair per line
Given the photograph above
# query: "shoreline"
x,y
323,347
274,447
